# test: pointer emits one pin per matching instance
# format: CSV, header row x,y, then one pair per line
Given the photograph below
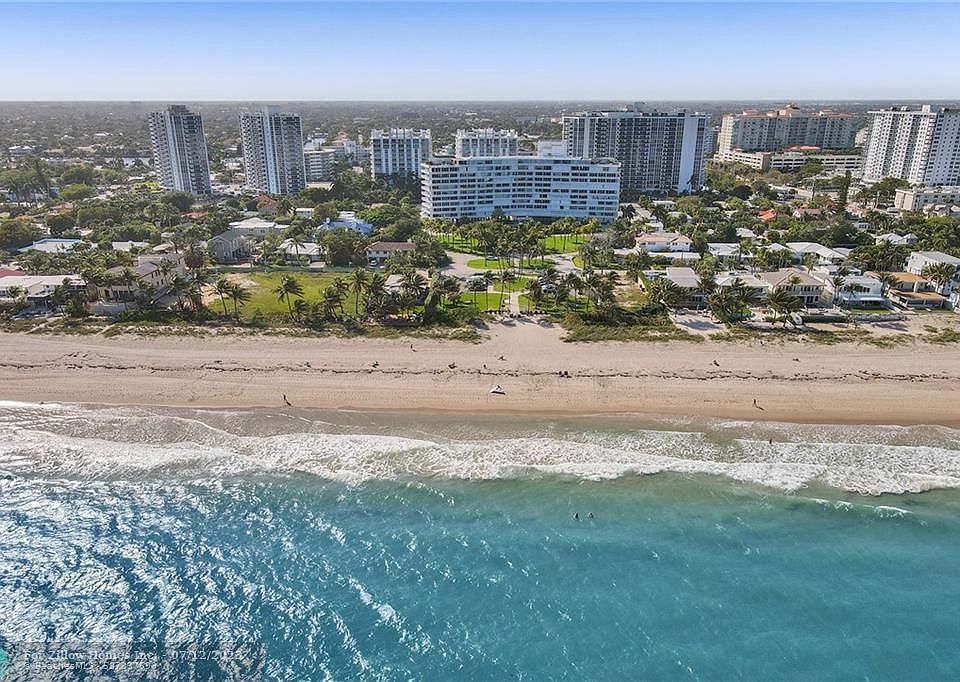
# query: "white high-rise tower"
x,y
273,151
180,150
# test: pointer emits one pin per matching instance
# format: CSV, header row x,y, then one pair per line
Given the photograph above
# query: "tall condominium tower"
x,y
485,142
180,150
769,131
273,151
921,146
399,152
658,152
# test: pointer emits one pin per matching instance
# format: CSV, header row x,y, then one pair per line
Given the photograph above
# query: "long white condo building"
x,y
273,151
921,146
398,152
659,153
180,150
520,187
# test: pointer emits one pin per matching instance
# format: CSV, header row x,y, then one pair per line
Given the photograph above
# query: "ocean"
x,y
307,546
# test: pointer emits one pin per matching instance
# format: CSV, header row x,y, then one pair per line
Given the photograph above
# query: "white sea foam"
x,y
74,442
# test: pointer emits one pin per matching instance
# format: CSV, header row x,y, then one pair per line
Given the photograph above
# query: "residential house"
x,y
797,282
297,253
895,239
37,289
348,220
378,252
230,246
689,283
128,246
912,291
767,215
856,290
654,242
755,285
255,227
921,260
51,245
154,275
823,254
727,253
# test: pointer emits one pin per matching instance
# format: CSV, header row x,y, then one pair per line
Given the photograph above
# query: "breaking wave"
x,y
65,441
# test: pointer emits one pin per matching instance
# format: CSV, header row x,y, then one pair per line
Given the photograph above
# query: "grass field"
x,y
495,264
554,243
267,302
560,243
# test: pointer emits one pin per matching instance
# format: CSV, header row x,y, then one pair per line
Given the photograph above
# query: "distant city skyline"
x,y
478,51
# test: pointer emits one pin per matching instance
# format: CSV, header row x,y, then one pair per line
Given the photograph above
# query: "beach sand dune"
x,y
911,384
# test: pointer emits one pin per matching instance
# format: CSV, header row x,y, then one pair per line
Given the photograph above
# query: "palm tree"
x,y
238,294
838,280
535,290
665,293
284,206
222,288
342,287
940,274
289,289
784,305
300,308
724,304
414,283
296,235
358,281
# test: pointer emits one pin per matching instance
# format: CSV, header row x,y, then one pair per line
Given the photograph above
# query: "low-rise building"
x,y
37,289
230,246
151,277
348,220
653,242
298,252
823,254
895,239
920,198
255,227
919,263
912,291
687,280
51,245
378,252
796,282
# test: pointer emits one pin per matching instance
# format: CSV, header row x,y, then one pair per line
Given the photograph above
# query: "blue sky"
x,y
489,50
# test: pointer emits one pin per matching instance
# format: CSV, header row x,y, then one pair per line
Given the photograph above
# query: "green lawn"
x,y
267,302
554,243
494,264
565,243
515,284
455,243
485,300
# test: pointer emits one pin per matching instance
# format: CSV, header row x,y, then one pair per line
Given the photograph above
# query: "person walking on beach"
x,y
285,401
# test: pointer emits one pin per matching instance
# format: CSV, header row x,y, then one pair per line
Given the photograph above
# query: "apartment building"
x,y
754,130
659,153
180,150
520,187
399,152
486,142
921,146
273,151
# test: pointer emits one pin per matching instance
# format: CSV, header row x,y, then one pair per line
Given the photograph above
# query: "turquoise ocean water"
x,y
353,546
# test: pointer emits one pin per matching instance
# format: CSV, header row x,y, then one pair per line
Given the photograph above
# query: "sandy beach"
x,y
796,382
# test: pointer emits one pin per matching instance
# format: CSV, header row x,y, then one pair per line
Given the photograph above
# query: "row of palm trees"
x,y
371,298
